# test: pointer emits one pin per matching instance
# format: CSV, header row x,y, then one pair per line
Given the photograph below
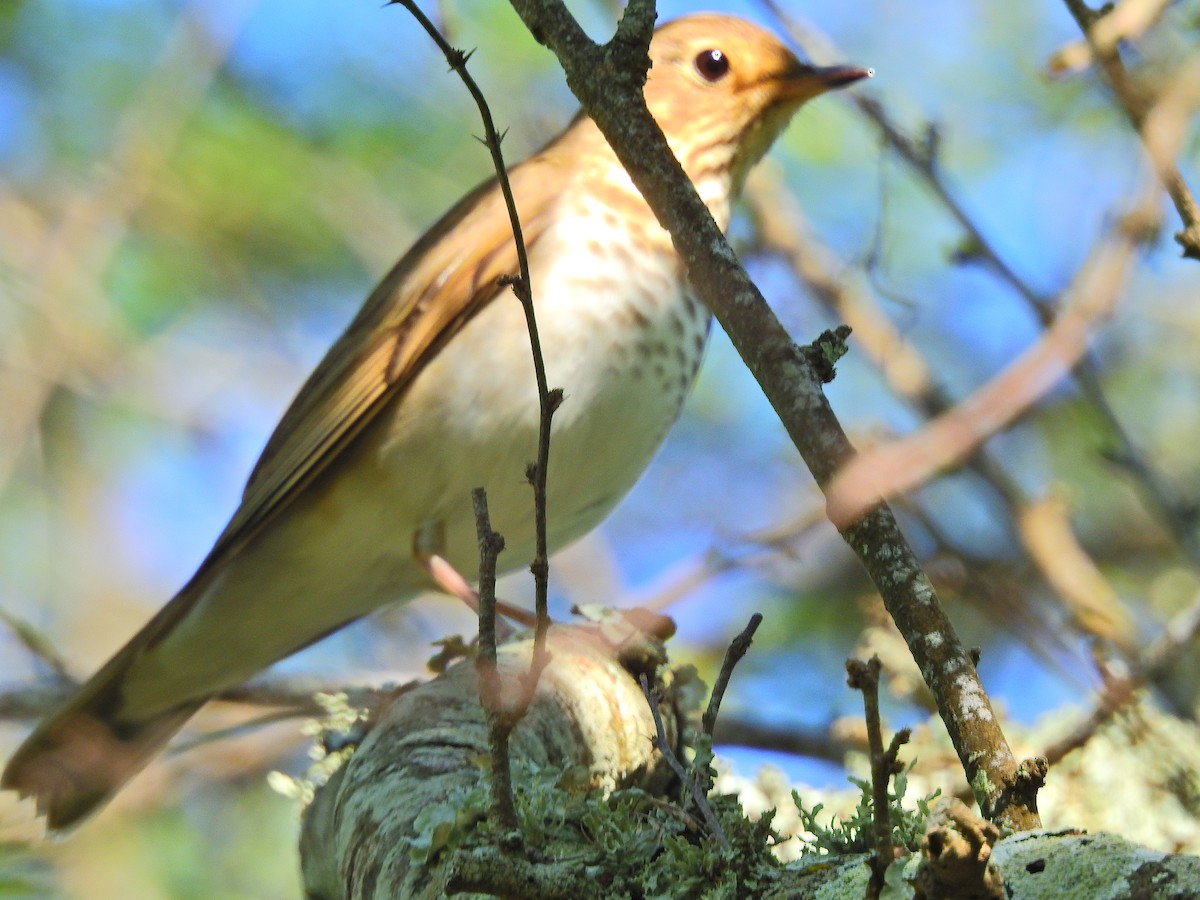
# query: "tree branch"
x,y
608,80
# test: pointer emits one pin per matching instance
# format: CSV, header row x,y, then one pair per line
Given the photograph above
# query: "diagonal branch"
x,y
608,80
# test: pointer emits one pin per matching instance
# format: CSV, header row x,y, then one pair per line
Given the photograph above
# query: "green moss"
x,y
853,834
645,847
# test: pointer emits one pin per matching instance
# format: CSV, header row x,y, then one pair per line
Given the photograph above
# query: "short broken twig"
x,y
737,649
864,676
500,721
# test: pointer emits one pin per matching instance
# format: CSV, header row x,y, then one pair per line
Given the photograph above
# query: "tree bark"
x,y
589,719
368,833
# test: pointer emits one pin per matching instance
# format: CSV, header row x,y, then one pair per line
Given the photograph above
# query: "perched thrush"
x,y
430,393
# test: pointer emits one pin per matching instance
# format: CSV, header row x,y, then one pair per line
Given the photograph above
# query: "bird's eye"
x,y
713,65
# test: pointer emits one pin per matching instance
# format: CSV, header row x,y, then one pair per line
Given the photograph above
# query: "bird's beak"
x,y
804,82
838,76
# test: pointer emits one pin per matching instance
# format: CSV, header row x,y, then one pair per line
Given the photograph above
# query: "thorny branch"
x,y
500,720
548,400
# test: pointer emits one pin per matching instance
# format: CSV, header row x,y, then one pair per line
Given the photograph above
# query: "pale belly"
x,y
470,419
623,387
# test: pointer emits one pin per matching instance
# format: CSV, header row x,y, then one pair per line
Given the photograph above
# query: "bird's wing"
x,y
421,304
80,755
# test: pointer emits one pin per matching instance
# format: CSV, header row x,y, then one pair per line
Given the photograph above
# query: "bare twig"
x,y
499,720
548,400
864,676
34,702
297,693
1118,692
681,579
196,741
819,742
693,788
756,550
37,644
293,695
737,649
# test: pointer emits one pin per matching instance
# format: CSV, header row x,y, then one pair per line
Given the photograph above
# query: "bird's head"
x,y
722,89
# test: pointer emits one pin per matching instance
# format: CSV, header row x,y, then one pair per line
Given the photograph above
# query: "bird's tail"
x,y
84,752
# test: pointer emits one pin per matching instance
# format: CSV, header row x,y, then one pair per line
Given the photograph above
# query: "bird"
x,y
430,392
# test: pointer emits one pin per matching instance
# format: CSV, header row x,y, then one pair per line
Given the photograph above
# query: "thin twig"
x,y
864,676
664,747
298,694
293,695
816,742
548,400
499,720
37,644
681,579
196,741
34,702
737,649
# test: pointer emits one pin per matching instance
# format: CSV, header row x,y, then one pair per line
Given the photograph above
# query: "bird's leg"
x,y
428,546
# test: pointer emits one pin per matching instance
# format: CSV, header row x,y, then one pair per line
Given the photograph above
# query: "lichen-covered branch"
x,y
403,817
387,824
608,81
